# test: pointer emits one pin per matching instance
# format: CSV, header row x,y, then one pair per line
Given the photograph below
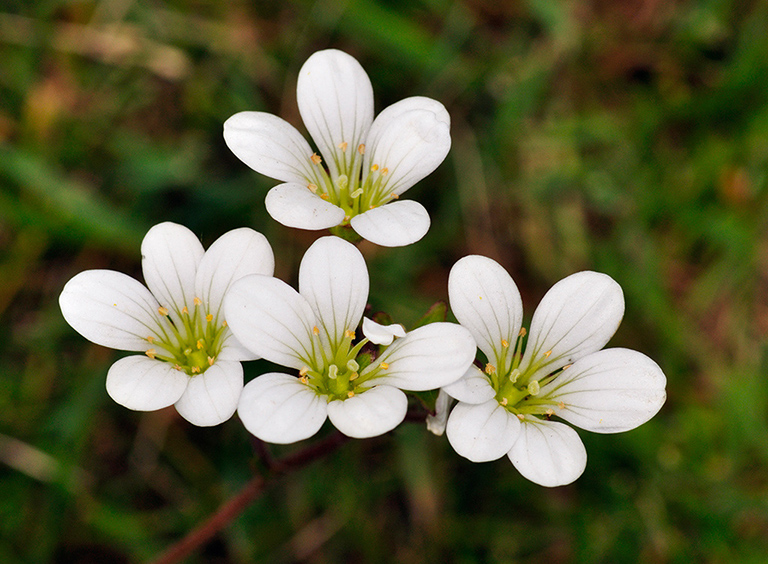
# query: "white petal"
x,y
395,224
380,334
211,397
143,384
335,100
235,254
482,432
110,309
369,414
577,316
474,387
294,205
278,408
270,145
549,454
409,138
610,391
427,358
485,300
436,423
170,254
271,319
233,349
333,278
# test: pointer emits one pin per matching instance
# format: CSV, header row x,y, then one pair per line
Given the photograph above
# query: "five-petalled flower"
x,y
507,408
364,165
314,332
191,359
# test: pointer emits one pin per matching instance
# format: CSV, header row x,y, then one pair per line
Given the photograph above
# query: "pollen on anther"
x,y
343,146
521,417
315,158
490,369
315,330
199,344
209,317
550,412
504,343
312,187
178,367
384,171
197,301
546,354
195,370
151,353
185,310
324,196
162,310
350,334
303,371
151,339
361,148
374,167
304,380
384,366
561,405
504,402
211,360
350,394
394,196
354,376
522,332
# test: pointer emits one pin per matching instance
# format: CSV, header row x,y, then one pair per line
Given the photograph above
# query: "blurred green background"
x,y
627,137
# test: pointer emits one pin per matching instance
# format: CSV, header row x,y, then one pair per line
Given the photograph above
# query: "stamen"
x,y
151,353
384,171
522,332
304,380
350,394
504,402
361,149
185,310
178,367
315,330
350,334
211,360
505,343
315,158
394,196
546,354
312,188
550,412
561,405
343,146
200,344
534,388
209,318
151,339
162,310
303,371
324,196
521,417
197,301
354,376
195,370
490,369
384,366
224,323
374,167
567,366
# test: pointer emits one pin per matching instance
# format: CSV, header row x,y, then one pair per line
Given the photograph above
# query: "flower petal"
x,y
436,423
410,139
170,255
393,225
110,309
335,100
548,453
235,254
474,387
380,334
485,300
369,414
271,319
211,397
577,316
482,432
278,408
143,384
427,358
333,278
270,145
294,205
610,391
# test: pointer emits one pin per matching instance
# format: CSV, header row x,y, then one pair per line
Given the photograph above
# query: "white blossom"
x,y
364,165
313,331
190,357
561,372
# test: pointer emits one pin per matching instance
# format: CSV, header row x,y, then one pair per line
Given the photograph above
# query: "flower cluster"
x,y
202,313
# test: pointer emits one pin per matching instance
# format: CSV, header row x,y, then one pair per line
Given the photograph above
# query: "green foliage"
x,y
624,137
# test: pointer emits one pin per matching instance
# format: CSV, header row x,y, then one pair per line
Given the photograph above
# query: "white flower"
x,y
313,332
191,359
506,409
365,164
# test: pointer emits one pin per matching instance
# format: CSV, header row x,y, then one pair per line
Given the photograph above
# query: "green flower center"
x,y
189,341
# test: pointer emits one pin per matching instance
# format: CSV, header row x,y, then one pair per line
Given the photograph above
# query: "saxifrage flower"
x,y
364,165
314,332
191,359
512,405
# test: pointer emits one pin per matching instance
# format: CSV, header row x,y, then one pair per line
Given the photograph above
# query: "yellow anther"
x,y
522,332
343,146
185,310
209,317
315,330
350,334
504,402
521,417
224,323
374,167
151,353
324,196
394,196
304,380
561,405
504,343
197,301
354,376
312,188
303,371
178,367
550,412
361,148
384,171
479,297
211,360
162,310
567,366
384,366
350,394
546,354
200,344
315,158
490,369
151,339
195,370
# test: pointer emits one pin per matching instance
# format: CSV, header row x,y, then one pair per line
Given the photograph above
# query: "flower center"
x,y
189,341
351,188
